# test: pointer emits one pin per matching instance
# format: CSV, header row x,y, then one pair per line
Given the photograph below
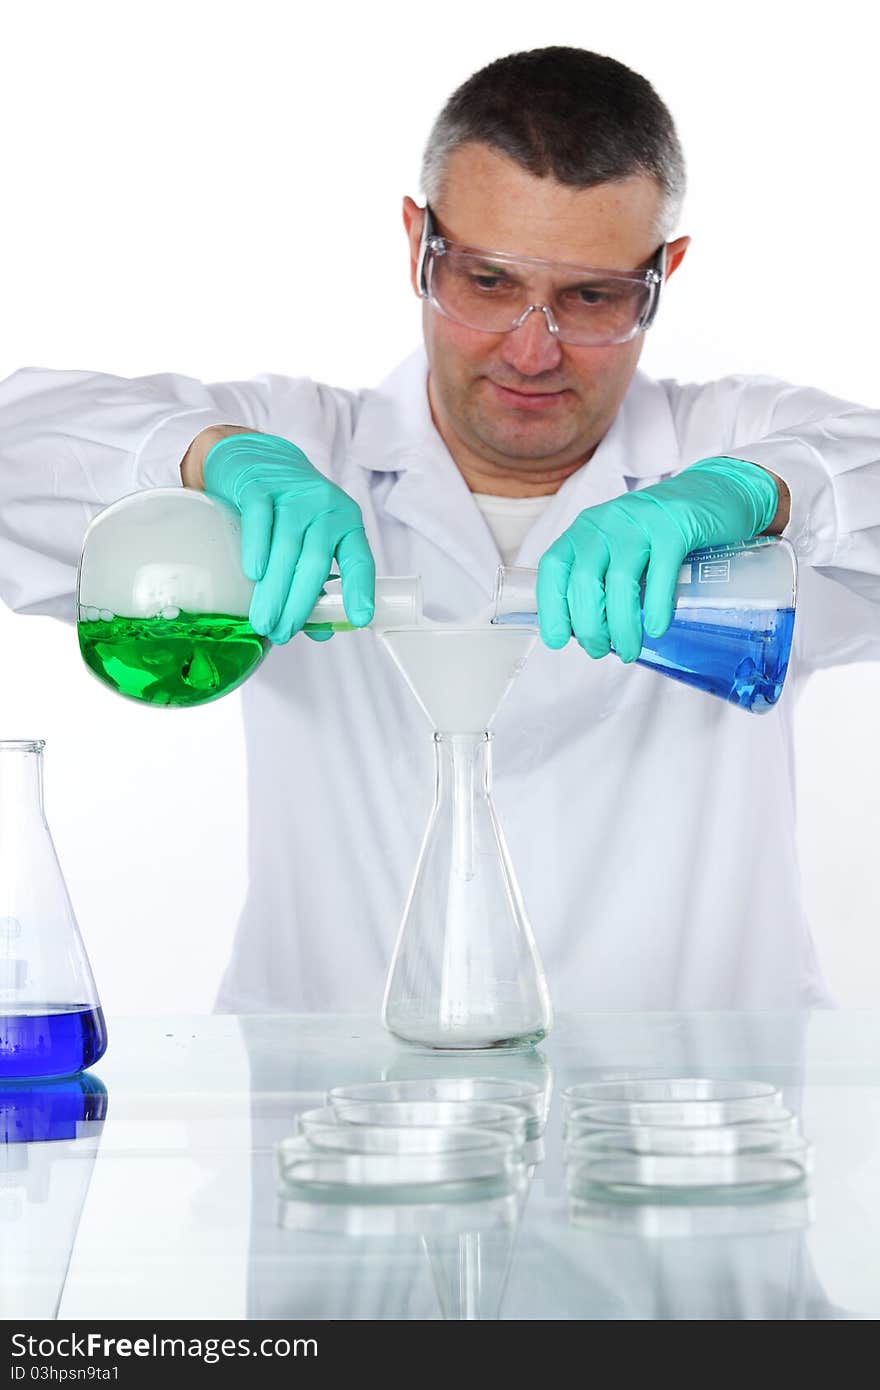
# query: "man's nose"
x,y
532,348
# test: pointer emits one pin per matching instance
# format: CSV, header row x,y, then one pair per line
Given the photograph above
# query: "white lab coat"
x,y
651,826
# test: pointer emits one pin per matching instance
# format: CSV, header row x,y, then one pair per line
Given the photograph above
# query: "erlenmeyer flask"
x,y
466,972
733,623
51,1023
162,600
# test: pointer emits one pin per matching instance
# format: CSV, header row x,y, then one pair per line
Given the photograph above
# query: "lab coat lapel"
x,y
432,497
640,448
396,434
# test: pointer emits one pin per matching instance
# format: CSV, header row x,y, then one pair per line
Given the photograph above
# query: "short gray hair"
x,y
581,117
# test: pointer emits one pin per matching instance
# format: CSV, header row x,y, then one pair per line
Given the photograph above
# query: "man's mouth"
x,y
526,400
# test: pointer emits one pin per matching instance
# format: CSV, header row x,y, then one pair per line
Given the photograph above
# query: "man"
x,y
651,826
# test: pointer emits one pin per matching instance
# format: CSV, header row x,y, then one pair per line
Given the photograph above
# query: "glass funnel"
x,y
466,972
51,1023
163,602
732,626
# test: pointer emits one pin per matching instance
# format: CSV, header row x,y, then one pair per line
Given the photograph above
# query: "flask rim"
x,y
464,735
22,745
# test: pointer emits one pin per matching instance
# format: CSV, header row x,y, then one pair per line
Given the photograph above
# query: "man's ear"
x,y
675,254
413,221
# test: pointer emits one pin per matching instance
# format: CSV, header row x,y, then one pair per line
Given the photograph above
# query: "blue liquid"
x,y
38,1111
50,1041
739,654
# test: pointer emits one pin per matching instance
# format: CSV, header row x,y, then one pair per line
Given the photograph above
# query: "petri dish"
x,y
588,1122
684,1178
391,1139
306,1173
668,1113
450,1090
420,1114
392,1220
689,1140
679,1089
657,1222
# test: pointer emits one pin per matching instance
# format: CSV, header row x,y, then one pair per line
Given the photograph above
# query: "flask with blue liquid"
x,y
732,627
51,1022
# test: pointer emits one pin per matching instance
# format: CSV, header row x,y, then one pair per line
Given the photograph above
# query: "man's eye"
x,y
587,295
489,282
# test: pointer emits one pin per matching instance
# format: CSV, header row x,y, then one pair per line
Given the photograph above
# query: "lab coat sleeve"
x,y
826,450
72,442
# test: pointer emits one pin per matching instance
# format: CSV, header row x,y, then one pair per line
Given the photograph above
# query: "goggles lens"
x,y
492,295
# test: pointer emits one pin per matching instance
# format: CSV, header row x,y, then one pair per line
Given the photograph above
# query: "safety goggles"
x,y
494,292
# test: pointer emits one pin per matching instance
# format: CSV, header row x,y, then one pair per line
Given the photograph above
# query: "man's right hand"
x,y
294,523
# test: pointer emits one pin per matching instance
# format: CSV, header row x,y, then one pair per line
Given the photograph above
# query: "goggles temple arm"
x,y
658,267
428,230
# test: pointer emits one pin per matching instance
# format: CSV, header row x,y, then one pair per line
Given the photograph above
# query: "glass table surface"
x,y
163,1199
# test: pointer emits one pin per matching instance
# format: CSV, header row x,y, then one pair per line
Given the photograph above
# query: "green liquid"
x,y
180,661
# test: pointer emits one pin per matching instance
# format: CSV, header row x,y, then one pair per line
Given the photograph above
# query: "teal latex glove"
x,y
589,579
294,523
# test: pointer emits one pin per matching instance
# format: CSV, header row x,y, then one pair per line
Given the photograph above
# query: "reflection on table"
x,y
178,1208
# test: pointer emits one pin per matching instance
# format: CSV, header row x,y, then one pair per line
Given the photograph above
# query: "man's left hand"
x,y
589,581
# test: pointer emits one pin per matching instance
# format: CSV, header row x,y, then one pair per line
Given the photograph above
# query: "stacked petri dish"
x,y
439,1140
682,1154
438,1166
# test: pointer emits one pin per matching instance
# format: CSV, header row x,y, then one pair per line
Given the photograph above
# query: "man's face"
x,y
524,400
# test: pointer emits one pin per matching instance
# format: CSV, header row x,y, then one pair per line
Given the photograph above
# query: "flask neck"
x,y
398,604
463,760
21,778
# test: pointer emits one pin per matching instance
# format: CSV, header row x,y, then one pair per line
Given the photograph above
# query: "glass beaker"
x,y
51,1022
732,626
163,602
466,972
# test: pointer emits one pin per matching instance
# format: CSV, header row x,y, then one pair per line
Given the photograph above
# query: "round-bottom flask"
x,y
163,602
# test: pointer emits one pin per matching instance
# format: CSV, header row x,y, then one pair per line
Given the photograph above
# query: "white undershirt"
x,y
509,519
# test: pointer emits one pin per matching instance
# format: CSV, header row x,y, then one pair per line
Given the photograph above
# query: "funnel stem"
x,y
459,755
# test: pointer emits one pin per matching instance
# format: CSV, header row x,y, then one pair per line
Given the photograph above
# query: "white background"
x,y
214,189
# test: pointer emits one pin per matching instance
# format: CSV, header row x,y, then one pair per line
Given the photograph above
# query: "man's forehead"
x,y
488,200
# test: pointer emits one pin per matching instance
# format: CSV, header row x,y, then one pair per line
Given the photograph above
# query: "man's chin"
x,y
531,439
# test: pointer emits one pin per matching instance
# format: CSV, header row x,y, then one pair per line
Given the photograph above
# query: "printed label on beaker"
x,y
13,975
714,572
